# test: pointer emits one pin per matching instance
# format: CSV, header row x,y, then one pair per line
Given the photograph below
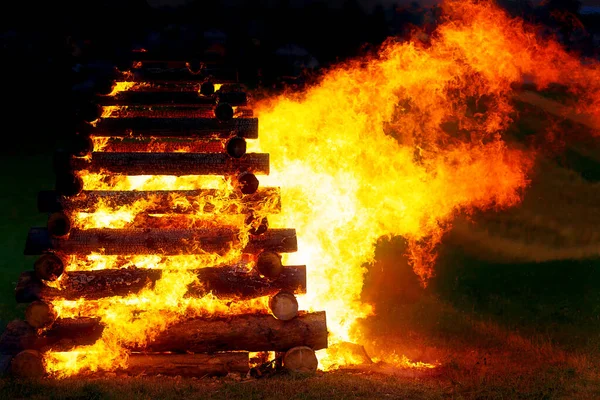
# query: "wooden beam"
x,y
198,127
228,282
157,241
170,163
266,199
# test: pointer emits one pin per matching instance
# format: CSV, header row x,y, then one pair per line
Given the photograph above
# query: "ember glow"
x,y
397,144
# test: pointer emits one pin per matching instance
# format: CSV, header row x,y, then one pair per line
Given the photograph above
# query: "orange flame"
x,y
396,144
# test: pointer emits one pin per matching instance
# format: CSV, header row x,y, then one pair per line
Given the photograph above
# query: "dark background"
x,y
43,42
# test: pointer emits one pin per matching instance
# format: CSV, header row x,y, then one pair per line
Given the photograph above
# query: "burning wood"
x,y
284,306
48,267
169,163
62,335
169,112
30,364
230,282
245,332
165,201
198,127
157,241
179,98
162,144
187,365
242,332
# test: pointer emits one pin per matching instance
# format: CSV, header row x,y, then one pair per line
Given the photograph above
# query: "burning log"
x,y
68,183
300,359
269,264
187,365
224,282
165,145
284,306
200,127
28,364
48,267
170,163
40,314
62,335
135,98
58,224
202,200
248,332
236,147
169,112
247,182
157,241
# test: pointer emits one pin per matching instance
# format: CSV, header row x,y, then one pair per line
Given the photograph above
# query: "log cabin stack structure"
x,y
165,105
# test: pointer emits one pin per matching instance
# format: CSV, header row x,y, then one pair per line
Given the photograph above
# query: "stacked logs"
x,y
155,122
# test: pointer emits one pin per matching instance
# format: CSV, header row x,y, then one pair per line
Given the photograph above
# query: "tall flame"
x,y
393,144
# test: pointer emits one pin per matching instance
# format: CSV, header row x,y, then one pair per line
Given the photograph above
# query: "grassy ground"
x,y
498,330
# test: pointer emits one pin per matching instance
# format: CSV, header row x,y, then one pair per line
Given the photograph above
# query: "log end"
x,y
68,184
257,226
49,267
28,364
284,306
224,112
248,183
301,359
236,147
59,224
207,88
40,314
269,265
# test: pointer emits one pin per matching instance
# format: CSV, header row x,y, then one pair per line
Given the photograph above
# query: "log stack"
x,y
152,121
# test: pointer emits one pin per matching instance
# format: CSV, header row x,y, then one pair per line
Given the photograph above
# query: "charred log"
x,y
165,112
246,332
62,335
224,282
269,264
236,147
68,183
247,182
199,127
28,364
161,201
135,97
48,267
170,163
165,145
40,314
157,241
58,224
187,365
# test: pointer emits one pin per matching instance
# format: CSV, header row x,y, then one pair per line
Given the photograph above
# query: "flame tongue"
x,y
393,145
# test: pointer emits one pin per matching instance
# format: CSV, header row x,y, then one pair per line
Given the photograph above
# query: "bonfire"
x,y
182,242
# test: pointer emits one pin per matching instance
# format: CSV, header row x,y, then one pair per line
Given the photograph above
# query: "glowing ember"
x,y
393,145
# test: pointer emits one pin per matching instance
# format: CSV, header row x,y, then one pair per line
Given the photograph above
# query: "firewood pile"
x,y
142,128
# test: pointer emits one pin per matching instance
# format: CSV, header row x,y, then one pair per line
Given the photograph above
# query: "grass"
x,y
498,330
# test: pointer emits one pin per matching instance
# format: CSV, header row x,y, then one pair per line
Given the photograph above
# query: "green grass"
x,y
25,175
